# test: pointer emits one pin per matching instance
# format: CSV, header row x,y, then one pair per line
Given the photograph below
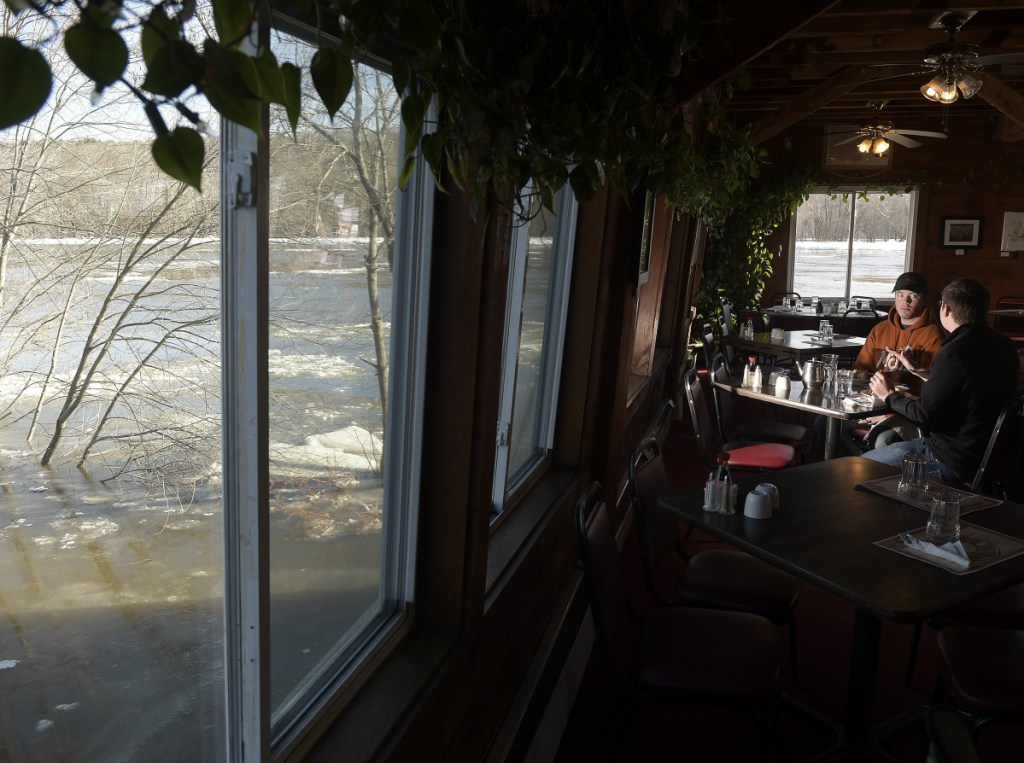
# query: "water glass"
x,y
844,381
825,331
914,480
944,521
830,363
842,307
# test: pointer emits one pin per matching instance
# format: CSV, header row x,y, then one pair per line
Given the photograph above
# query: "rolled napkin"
x,y
951,552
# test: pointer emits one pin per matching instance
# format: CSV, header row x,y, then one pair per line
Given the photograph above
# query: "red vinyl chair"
x,y
687,655
743,456
799,437
714,578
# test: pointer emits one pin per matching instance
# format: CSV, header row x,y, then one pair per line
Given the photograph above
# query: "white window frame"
x,y
566,209
853,191
245,249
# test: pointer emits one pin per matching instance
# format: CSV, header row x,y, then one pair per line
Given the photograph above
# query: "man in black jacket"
x,y
971,377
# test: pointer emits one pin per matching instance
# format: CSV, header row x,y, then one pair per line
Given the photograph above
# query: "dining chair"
x,y
982,674
715,578
778,296
949,735
686,655
867,303
999,475
1009,324
743,456
799,437
858,322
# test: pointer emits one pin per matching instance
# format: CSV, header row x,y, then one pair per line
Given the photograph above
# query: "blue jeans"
x,y
893,455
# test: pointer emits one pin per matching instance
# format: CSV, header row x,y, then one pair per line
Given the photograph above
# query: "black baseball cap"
x,y
911,282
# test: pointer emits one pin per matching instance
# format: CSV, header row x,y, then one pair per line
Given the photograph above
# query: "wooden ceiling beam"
x,y
757,27
1003,98
809,102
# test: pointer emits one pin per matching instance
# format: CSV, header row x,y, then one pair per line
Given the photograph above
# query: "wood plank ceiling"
x,y
818,63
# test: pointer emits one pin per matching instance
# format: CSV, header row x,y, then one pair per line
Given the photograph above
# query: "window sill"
x,y
512,537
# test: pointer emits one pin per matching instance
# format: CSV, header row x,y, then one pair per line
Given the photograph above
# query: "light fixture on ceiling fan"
x,y
877,137
956,63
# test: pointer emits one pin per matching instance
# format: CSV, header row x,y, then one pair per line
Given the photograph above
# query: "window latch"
x,y
243,192
502,433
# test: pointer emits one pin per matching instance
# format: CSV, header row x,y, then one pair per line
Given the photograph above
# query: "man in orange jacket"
x,y
911,328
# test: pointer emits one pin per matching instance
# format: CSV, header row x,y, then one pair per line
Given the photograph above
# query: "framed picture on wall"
x,y
961,232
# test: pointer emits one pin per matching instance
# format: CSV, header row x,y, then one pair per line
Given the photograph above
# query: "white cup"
x,y
771,491
758,505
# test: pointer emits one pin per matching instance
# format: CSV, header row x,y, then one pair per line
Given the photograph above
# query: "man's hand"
x,y
921,373
881,385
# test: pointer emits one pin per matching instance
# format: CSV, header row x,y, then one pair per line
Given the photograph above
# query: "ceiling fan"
x,y
955,64
875,137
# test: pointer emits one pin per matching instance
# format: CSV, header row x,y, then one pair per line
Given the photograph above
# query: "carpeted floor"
x,y
665,732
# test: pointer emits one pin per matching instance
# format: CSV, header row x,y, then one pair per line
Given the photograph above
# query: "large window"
x,y
210,416
852,243
539,270
345,320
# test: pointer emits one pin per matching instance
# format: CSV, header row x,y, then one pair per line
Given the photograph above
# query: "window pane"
x,y
524,436
880,240
111,548
822,246
332,226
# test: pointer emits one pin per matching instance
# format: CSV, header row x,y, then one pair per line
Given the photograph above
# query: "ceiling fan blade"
x,y
900,140
922,133
848,140
1000,58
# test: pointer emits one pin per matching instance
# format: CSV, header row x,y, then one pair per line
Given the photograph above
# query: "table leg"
x,y
831,437
867,631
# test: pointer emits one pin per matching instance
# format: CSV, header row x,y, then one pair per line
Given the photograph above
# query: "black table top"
x,y
824,533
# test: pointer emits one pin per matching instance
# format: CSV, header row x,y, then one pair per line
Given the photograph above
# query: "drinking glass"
x,y
844,381
944,521
830,363
914,480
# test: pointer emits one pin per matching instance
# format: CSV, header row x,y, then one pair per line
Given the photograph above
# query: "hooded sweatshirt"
x,y
925,336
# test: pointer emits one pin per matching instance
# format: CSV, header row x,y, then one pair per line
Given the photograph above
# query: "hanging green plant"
x,y
737,261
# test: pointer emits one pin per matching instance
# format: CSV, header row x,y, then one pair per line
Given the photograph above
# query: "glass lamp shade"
x,y
941,90
880,146
968,84
864,146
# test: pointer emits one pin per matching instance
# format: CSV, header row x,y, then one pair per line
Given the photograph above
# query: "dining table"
x,y
795,345
822,402
807,317
831,532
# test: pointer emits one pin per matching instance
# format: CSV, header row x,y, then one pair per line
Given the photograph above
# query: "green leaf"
x,y
420,28
332,78
291,91
100,53
232,19
179,153
231,85
407,169
159,30
26,83
173,68
269,72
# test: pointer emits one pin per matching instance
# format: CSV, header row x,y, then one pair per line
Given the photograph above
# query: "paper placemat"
x,y
984,548
889,487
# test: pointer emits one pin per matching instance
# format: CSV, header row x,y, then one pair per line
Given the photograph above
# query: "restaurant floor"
x,y
667,732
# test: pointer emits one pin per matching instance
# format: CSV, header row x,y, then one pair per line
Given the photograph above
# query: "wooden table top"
x,y
824,532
